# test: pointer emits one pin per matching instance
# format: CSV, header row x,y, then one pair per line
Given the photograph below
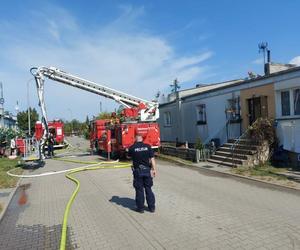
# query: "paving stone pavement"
x,y
195,210
4,196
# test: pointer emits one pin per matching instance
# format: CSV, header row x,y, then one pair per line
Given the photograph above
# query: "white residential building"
x,y
224,110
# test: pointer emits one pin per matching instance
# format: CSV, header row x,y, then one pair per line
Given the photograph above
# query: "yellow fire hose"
x,y
82,162
94,166
77,182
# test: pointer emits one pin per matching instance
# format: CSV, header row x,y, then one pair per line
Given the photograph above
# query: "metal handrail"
x,y
237,142
30,149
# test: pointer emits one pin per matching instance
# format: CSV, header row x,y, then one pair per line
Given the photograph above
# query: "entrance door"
x,y
257,107
264,106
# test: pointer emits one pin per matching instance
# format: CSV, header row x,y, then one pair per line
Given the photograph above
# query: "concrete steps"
x,y
240,146
243,142
241,156
235,153
228,164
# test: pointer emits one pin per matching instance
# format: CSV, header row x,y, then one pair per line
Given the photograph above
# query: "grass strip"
x,y
6,164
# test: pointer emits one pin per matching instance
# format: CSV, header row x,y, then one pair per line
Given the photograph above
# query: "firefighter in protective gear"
x,y
50,145
144,169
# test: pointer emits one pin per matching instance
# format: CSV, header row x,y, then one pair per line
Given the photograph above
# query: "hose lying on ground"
x,y
91,163
69,172
67,210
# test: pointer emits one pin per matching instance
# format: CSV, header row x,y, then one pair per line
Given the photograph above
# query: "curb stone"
x,y
163,157
11,195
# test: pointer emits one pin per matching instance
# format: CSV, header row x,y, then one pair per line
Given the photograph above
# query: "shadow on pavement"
x,y
33,165
124,202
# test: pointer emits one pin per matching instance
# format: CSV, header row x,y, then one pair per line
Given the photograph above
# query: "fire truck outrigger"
x,y
138,116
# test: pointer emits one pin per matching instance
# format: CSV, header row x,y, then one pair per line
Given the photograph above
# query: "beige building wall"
x,y
266,90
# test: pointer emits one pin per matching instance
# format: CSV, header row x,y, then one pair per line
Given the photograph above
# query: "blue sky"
x,y
138,47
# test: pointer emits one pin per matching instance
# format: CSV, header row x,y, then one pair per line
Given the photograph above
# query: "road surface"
x,y
195,210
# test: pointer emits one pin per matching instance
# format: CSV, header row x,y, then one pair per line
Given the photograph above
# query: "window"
x,y
296,101
201,114
233,110
167,117
59,131
285,103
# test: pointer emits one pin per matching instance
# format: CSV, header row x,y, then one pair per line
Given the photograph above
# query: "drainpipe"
x,y
179,118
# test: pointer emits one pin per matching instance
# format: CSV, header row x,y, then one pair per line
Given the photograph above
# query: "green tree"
x,y
74,126
86,128
22,119
87,120
104,115
67,127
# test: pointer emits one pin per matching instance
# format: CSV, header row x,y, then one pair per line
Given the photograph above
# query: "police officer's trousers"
x,y
140,183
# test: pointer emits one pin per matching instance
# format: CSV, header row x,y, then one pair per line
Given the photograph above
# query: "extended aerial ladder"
x,y
137,108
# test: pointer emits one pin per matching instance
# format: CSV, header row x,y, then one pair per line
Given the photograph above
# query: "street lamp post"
x,y
1,106
28,108
71,113
17,110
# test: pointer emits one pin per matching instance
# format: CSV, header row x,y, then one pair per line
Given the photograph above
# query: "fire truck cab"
x,y
55,127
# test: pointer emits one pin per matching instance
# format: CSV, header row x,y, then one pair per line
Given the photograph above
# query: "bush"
x,y
263,129
6,134
199,144
86,134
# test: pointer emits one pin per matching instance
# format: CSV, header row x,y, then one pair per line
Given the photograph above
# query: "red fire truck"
x,y
97,133
56,128
114,138
111,136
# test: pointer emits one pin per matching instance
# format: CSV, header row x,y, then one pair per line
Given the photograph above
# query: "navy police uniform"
x,y
141,154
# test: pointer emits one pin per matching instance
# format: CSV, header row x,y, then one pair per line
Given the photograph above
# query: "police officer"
x,y
144,169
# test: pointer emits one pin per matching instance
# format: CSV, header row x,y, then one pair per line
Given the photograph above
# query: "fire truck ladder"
x,y
148,114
